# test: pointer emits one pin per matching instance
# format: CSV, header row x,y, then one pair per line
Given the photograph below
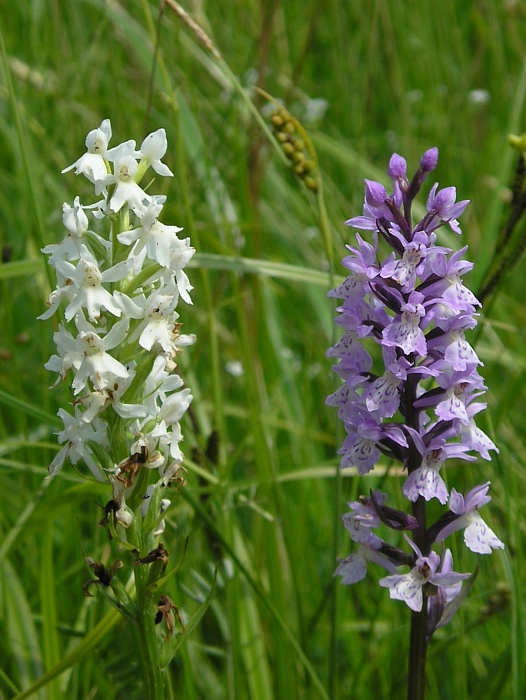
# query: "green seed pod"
x,y
276,120
288,149
288,127
299,144
298,157
311,183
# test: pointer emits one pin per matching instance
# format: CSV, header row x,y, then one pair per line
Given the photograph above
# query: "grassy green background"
x,y
365,79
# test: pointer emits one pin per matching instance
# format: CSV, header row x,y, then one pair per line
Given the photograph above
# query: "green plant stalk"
x,y
49,611
90,642
489,241
338,485
190,227
267,600
210,47
25,154
153,675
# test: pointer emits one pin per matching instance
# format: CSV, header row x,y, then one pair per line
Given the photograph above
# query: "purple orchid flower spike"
x,y
415,398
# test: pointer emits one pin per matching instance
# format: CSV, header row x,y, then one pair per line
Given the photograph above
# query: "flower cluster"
x,y
419,409
120,276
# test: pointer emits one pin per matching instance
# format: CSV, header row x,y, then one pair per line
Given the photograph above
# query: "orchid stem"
x,y
153,675
416,684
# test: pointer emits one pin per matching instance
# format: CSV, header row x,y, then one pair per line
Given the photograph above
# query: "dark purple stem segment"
x,y
416,683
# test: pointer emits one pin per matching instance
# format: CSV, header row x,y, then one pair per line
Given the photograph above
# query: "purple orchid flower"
x,y
477,535
408,587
